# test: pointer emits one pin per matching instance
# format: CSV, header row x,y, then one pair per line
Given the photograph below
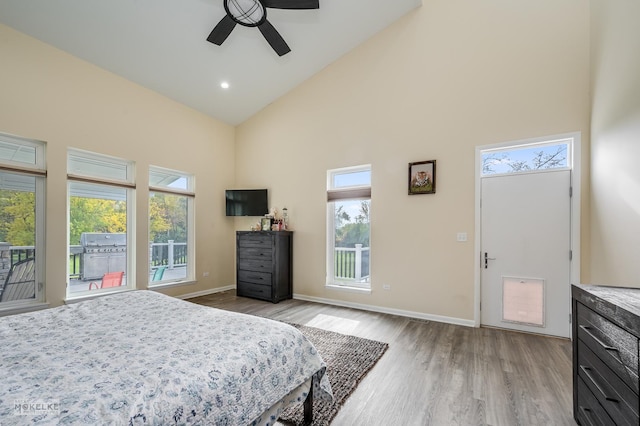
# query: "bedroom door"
x,y
525,252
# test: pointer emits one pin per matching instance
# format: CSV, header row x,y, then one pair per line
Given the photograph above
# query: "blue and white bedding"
x,y
141,357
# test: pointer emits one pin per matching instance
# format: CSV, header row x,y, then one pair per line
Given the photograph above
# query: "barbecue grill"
x,y
102,253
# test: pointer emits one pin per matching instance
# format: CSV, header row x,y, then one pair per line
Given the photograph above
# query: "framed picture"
x,y
266,223
422,177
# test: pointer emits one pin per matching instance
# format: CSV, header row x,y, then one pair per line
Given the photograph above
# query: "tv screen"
x,y
246,202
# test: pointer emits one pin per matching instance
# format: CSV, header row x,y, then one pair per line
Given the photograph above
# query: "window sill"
x,y
23,308
81,298
348,289
171,284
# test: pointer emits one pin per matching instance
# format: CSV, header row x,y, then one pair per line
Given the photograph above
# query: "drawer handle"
x,y
587,414
255,278
587,371
600,342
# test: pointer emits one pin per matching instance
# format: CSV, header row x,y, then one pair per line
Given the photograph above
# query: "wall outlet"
x,y
205,274
386,287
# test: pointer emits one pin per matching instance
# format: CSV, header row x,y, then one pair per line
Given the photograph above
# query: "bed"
x,y
141,357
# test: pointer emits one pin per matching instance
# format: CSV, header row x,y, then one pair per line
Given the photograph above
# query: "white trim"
x,y
40,147
390,311
21,309
349,288
333,196
576,177
205,292
169,284
85,296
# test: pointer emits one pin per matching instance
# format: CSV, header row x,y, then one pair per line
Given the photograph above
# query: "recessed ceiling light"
x,y
224,85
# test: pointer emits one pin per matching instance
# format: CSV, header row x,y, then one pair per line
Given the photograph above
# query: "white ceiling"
x,y
161,44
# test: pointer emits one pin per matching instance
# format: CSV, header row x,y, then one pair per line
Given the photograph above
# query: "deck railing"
x,y
169,254
352,263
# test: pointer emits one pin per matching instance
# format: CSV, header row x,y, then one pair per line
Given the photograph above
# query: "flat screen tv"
x,y
246,202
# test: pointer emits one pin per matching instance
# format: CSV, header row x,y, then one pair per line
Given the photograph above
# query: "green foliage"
x,y
352,233
17,211
95,215
167,218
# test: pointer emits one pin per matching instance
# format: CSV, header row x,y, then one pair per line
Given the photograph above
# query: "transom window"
x,y
22,209
171,229
100,205
348,227
527,158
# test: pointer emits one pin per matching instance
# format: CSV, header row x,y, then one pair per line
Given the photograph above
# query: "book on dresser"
x,y
606,332
263,265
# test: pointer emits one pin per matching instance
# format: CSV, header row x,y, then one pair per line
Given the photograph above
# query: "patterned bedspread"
x,y
141,357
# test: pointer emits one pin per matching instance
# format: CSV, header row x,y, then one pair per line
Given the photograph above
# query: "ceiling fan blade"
x,y
292,4
222,30
274,38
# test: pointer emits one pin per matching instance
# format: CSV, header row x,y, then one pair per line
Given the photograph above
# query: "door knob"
x,y
487,259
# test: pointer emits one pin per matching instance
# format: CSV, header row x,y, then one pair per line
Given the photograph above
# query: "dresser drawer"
x,y
590,412
258,291
255,240
263,278
254,253
618,399
259,265
616,347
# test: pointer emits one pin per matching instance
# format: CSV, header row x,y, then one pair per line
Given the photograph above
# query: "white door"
x,y
525,258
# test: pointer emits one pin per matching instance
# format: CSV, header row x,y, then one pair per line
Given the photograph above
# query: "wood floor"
x,y
438,374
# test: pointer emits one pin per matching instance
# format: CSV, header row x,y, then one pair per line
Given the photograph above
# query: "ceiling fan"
x,y
253,13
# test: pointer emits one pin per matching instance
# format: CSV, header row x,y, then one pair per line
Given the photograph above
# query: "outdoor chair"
x,y
110,279
20,282
158,273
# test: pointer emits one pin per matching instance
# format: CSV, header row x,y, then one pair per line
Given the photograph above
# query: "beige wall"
x,y
453,75
48,95
615,127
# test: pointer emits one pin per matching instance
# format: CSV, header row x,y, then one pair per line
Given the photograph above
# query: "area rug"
x,y
348,359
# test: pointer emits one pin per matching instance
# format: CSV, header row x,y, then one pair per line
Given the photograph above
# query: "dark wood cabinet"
x,y
263,265
606,334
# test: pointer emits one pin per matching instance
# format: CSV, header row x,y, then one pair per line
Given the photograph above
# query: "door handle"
x,y
487,259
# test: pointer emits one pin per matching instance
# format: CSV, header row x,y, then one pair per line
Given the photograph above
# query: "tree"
x,y
538,160
95,215
356,232
18,217
167,217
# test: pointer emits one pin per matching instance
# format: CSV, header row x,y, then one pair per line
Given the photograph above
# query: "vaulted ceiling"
x,y
162,44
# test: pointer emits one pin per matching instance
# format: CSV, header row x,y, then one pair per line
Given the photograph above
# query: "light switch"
x,y
462,236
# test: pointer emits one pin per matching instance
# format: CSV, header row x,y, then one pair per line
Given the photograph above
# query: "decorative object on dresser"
x,y
263,265
606,331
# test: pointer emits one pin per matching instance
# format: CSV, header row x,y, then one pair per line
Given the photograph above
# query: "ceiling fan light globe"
x,y
250,13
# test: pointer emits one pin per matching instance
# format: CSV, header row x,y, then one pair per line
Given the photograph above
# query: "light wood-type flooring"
x,y
435,373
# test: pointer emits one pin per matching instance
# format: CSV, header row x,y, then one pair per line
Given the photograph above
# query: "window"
x,y
100,208
22,209
527,158
171,230
348,227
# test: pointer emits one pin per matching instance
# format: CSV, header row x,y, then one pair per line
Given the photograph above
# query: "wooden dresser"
x,y
263,265
606,331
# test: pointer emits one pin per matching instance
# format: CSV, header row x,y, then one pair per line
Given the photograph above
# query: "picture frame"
x,y
422,177
265,222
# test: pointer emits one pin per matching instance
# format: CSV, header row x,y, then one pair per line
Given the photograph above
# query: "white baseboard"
x,y
206,292
391,311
